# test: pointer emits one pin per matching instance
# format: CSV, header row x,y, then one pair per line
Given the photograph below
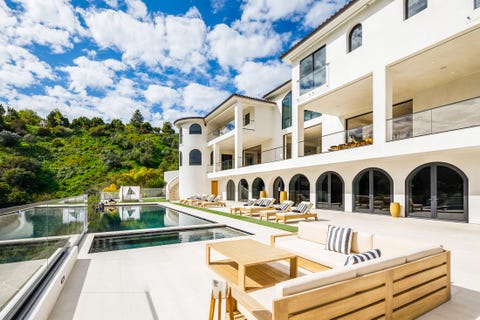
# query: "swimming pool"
x,y
103,243
120,218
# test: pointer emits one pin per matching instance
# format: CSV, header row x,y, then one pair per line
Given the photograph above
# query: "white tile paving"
x,y
173,282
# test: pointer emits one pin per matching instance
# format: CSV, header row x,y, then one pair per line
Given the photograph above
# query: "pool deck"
x,y
174,282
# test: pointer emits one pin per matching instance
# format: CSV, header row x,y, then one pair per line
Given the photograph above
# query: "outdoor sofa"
x,y
408,279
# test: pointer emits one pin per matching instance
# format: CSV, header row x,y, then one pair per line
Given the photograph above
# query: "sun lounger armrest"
x,y
250,304
274,237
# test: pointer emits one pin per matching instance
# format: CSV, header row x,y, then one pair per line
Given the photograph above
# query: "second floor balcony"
x,y
221,131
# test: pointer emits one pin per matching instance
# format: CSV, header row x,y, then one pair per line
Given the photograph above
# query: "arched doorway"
x,y
231,190
330,191
373,191
243,190
257,186
299,189
437,191
278,186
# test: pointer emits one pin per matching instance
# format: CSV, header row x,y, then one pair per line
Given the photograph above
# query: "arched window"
x,y
355,38
372,191
211,158
287,111
243,190
180,158
195,129
195,158
231,190
437,191
330,192
278,186
299,189
257,186
412,7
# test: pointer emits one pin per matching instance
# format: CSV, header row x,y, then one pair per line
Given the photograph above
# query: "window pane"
x,y
477,4
336,192
287,111
415,6
306,84
356,37
195,158
306,66
319,59
195,129
320,77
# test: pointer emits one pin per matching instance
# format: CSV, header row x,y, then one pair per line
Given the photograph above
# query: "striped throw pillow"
x,y
364,256
250,202
301,208
339,239
284,205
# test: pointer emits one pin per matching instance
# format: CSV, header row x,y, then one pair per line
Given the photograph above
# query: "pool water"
x,y
132,241
119,218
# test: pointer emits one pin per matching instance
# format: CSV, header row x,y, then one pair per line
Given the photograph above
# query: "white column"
x,y
238,134
382,104
216,157
297,132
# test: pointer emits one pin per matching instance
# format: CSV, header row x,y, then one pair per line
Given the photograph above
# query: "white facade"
x,y
405,103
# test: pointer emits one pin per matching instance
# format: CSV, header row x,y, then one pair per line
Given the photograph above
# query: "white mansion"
x,y
383,105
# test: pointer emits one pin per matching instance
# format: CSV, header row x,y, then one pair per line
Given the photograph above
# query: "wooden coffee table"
x,y
249,253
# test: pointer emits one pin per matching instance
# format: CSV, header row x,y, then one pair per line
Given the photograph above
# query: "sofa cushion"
x,y
361,241
339,239
315,232
391,246
314,280
375,265
423,252
265,296
362,257
311,251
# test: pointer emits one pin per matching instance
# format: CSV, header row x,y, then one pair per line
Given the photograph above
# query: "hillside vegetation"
x,y
51,158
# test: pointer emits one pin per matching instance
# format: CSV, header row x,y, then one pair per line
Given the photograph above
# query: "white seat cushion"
x,y
378,264
316,232
361,242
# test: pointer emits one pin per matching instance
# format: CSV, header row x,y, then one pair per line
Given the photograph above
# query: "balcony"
x,y
459,115
221,131
352,138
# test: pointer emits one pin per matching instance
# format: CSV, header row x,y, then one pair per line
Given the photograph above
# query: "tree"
x,y
167,128
81,123
56,118
137,119
9,139
117,124
29,117
96,121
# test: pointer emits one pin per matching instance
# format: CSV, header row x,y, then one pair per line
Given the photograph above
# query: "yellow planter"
x,y
263,194
283,196
395,209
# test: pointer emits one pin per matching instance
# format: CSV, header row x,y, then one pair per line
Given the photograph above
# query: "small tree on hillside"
x,y
56,118
137,119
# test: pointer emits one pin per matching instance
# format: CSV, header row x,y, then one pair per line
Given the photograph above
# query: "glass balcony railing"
x,y
460,115
275,154
356,137
32,238
221,131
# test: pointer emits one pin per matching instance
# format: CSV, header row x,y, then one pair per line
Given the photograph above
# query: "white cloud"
x,y
255,78
217,5
136,8
92,74
165,96
273,9
198,98
167,41
232,47
321,11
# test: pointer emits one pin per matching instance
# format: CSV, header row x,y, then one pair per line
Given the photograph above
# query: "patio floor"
x,y
174,282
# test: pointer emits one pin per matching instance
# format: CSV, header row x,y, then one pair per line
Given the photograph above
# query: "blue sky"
x,y
168,58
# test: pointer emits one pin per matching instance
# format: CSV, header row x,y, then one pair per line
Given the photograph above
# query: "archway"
x,y
437,191
299,189
243,190
257,186
373,191
278,186
231,190
330,191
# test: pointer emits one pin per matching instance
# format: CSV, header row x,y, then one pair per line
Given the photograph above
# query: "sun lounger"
x,y
301,211
217,202
263,204
285,206
210,198
236,209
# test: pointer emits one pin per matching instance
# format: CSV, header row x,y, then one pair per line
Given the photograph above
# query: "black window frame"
x,y
311,69
246,119
193,129
192,161
180,158
409,14
351,34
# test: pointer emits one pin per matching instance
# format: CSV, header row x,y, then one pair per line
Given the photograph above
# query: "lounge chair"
x,y
262,204
236,209
285,206
217,202
210,198
301,211
192,197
